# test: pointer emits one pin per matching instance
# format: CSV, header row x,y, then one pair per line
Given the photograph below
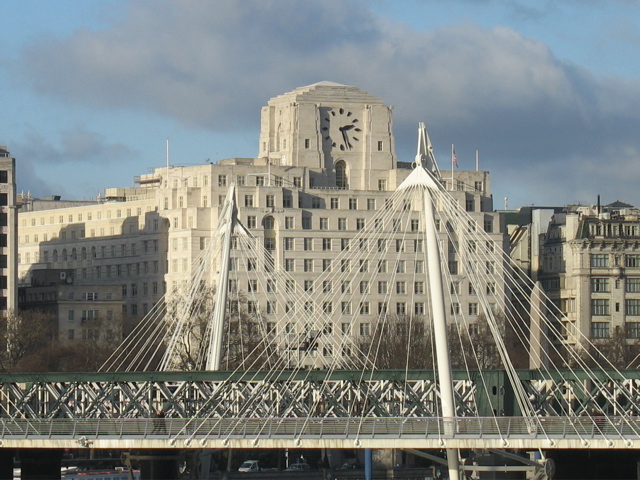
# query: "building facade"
x,y
591,269
326,164
8,233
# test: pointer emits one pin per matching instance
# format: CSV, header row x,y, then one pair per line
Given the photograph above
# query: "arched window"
x,y
74,254
268,223
55,255
64,254
84,253
341,175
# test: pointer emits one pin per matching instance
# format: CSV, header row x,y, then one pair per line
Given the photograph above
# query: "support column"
x,y
40,464
6,463
368,464
159,465
434,278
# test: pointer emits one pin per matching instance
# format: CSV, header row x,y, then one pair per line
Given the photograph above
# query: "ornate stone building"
x,y
326,164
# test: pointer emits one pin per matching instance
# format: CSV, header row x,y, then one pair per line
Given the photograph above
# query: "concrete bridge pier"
x,y
40,464
6,463
159,465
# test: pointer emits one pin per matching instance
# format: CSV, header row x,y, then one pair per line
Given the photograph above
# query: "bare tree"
x,y
245,341
25,335
399,341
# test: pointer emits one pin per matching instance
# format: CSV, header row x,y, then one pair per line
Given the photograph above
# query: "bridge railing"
x,y
462,427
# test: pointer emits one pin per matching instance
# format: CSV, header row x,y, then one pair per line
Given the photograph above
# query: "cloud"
x,y
214,64
77,152
77,146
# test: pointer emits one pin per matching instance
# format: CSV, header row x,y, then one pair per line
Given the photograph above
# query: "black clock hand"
x,y
345,137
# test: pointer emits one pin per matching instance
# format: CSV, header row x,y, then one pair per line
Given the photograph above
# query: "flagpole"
x,y
452,154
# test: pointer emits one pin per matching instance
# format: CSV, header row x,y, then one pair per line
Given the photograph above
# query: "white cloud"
x,y
214,64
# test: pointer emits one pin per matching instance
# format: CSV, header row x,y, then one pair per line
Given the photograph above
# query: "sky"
x,y
547,92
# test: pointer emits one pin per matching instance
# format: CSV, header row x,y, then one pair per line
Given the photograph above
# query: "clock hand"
x,y
345,137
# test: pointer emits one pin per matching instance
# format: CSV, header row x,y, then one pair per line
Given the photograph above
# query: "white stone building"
x,y
591,268
326,163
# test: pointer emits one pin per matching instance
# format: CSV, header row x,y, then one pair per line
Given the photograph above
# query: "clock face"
x,y
340,129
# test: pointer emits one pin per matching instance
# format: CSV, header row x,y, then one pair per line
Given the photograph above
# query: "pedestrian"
x,y
158,422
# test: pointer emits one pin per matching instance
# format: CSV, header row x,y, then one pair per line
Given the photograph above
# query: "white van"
x,y
249,466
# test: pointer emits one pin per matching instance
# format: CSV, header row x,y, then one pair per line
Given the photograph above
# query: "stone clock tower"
x,y
343,135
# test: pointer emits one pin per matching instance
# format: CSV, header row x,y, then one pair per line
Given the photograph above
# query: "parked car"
x,y
249,466
351,466
298,467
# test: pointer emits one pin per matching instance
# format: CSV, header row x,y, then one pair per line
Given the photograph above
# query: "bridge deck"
x,y
478,432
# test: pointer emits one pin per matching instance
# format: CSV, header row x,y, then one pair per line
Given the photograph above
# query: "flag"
x,y
454,159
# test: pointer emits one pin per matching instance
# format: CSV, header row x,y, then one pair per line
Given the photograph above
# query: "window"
x,y
345,328
288,223
297,182
418,308
342,223
365,329
371,203
353,204
359,223
600,306
344,244
382,308
382,185
382,266
382,287
632,307
315,202
287,201
271,200
364,308
345,308
326,265
289,264
633,284
600,284
600,330
326,244
473,309
364,287
488,225
251,221
632,260
326,286
308,243
222,180
341,175
633,329
308,285
401,288
327,307
380,145
259,181
418,288
308,265
401,308
469,204
248,200
599,260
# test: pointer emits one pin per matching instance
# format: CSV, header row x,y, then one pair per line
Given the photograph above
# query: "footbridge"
x,y
314,409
